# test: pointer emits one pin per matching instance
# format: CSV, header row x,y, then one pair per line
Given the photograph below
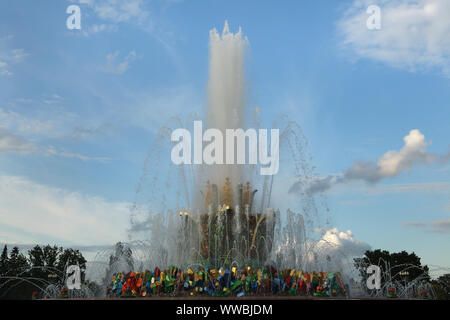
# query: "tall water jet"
x,y
224,224
225,107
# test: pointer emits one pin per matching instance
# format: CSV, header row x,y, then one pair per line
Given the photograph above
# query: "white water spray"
x,y
226,94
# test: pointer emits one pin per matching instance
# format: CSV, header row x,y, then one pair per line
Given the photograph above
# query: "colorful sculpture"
x,y
225,282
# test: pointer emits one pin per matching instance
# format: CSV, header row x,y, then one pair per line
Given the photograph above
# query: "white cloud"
x,y
25,125
31,211
44,118
111,13
23,100
118,10
83,132
11,143
438,226
334,251
341,243
9,57
118,67
4,69
144,15
102,27
413,34
26,134
441,226
414,224
414,152
53,99
97,28
18,54
392,163
435,187
179,101
360,187
7,37
51,151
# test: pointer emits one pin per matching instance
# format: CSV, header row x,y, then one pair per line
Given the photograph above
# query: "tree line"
x,y
21,275
402,266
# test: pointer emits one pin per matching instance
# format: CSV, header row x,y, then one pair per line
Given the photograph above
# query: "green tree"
x,y
50,260
442,287
4,265
4,260
36,259
71,257
41,263
400,265
51,255
44,261
18,264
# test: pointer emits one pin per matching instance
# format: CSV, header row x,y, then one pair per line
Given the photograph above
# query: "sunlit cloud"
x,y
391,164
39,211
413,34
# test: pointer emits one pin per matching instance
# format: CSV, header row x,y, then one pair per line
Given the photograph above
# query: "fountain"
x,y
221,215
219,219
53,286
224,224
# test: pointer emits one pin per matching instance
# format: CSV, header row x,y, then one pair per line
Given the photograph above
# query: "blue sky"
x,y
79,109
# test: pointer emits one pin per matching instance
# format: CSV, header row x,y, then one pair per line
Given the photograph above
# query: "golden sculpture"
x,y
227,195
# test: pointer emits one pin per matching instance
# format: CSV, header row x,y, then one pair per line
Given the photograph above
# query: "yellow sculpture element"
x,y
214,273
256,230
259,275
197,223
208,200
246,194
227,196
